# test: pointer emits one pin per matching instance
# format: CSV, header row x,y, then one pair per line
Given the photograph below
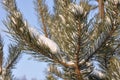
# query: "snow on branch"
x,y
41,39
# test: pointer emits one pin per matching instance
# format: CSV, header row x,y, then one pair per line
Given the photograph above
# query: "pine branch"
x,y
10,63
21,30
108,31
42,11
78,50
100,45
14,54
30,38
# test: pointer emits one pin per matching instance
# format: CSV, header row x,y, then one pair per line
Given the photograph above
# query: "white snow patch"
x,y
41,39
50,43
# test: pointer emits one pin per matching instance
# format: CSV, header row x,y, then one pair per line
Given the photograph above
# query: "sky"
x,y
25,66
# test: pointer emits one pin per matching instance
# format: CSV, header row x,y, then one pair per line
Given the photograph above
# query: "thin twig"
x,y
10,64
101,8
77,69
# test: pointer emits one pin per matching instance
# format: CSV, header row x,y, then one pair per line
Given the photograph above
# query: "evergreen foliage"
x,y
76,45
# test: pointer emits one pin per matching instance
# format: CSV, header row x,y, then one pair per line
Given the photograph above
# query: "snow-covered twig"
x,y
41,39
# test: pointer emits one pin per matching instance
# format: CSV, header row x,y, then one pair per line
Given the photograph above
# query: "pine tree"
x,y
76,45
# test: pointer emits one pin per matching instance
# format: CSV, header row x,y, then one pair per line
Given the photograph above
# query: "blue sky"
x,y
27,67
